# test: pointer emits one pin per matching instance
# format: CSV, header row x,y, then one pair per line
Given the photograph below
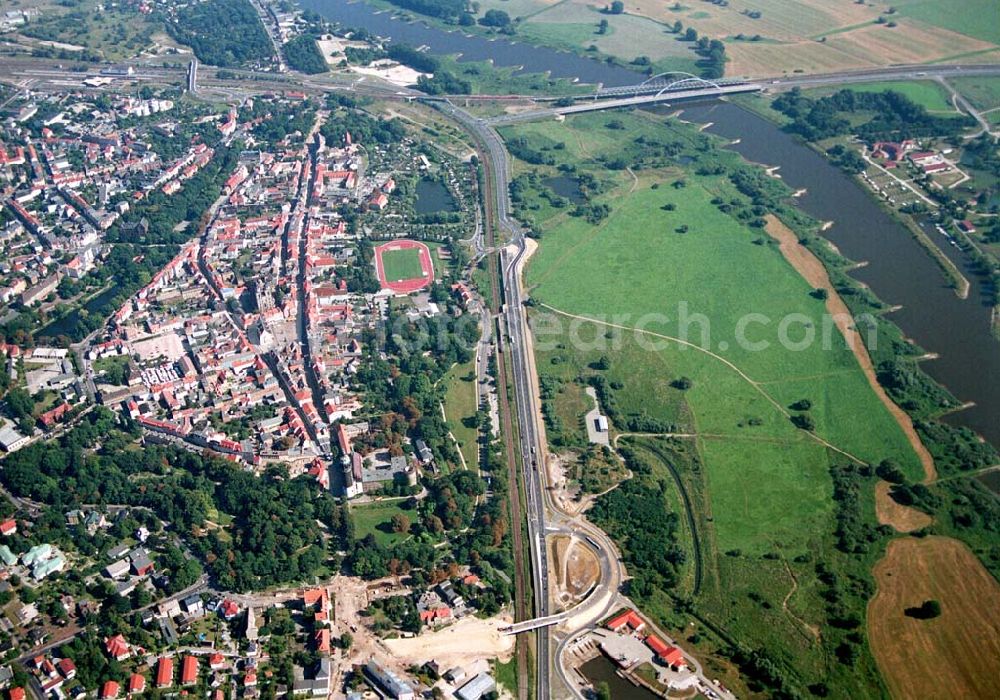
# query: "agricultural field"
x,y
960,650
771,37
976,18
574,26
762,488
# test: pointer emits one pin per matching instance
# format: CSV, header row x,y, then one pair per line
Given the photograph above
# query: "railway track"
x,y
522,599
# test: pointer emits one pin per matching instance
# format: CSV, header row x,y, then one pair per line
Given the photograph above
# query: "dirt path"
x,y
813,271
956,655
811,629
902,518
694,346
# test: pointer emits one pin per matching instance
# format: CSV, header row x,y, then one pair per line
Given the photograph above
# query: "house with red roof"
x,y
229,609
136,684
216,662
117,647
670,655
17,693
435,615
164,672
51,417
8,527
110,690
630,619
189,670
67,668
323,640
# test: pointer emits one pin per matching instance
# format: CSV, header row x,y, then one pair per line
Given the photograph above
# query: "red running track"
x,y
410,285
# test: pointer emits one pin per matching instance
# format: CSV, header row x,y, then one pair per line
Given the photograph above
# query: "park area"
x,y
610,294
404,266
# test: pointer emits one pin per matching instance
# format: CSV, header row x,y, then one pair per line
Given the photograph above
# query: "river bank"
x,y
957,332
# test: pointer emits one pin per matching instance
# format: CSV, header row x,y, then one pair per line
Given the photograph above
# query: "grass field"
x,y
402,264
375,519
763,487
976,18
573,26
460,411
983,92
113,32
927,93
954,655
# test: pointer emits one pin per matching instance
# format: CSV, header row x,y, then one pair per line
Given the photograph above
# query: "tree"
x,y
682,383
602,26
927,610
400,523
678,27
890,471
495,18
617,7
346,641
603,691
690,34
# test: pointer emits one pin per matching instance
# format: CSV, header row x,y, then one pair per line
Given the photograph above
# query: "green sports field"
x,y
402,264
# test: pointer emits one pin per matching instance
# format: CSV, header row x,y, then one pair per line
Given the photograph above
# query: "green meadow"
x,y
610,296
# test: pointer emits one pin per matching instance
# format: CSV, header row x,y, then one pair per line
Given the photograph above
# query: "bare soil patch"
x,y
956,655
901,518
460,644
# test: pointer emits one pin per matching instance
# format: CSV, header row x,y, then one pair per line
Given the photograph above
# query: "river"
x,y
899,270
502,51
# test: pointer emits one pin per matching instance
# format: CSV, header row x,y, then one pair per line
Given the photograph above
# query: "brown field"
x,y
956,655
901,518
867,46
575,568
781,20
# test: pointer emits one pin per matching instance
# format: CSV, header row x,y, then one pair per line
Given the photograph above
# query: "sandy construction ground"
x,y
394,73
460,644
956,655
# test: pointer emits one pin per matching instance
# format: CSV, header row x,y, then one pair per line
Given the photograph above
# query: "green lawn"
x,y
374,519
460,410
927,93
401,264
